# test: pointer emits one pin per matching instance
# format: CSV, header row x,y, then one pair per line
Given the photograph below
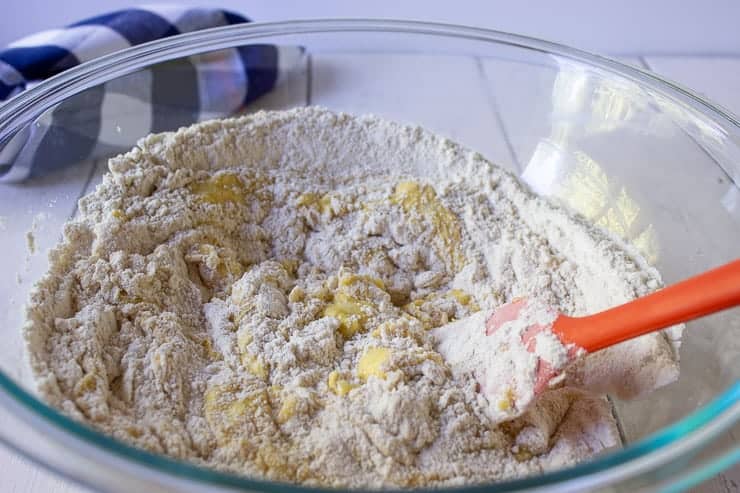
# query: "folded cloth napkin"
x,y
109,118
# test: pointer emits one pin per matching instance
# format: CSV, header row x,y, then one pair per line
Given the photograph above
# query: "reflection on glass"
x,y
703,130
585,100
731,202
584,104
722,147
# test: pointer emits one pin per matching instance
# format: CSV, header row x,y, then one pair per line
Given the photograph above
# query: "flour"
x,y
258,295
512,353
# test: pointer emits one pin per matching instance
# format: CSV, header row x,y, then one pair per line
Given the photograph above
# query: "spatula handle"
x,y
710,292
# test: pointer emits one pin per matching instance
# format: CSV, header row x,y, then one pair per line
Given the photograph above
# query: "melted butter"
x,y
307,199
398,327
290,265
425,309
230,267
349,311
229,417
297,294
371,363
461,296
523,454
464,299
423,200
287,409
324,203
207,345
208,250
256,365
347,280
217,404
243,339
338,385
226,187
86,384
240,406
310,199
220,266
352,310
133,431
507,402
273,459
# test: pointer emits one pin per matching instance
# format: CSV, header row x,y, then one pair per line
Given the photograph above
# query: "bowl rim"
x,y
659,448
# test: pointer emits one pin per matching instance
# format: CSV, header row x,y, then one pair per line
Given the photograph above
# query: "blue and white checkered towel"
x,y
110,118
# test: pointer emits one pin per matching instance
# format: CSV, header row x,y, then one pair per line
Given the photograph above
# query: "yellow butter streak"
x,y
348,310
226,187
372,361
338,385
422,199
288,409
350,279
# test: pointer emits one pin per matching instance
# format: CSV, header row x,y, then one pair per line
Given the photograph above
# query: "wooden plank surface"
x,y
40,207
414,89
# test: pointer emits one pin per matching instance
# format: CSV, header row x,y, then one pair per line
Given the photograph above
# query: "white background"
x,y
616,27
695,43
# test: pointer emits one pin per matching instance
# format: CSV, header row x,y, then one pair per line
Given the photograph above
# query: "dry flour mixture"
x,y
256,295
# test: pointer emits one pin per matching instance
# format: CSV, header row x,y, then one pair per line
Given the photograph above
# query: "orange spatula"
x,y
710,292
505,349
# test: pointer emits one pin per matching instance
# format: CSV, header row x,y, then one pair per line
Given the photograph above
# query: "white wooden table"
x,y
407,83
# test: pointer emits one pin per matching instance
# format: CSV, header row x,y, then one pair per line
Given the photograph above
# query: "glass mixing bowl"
x,y
638,155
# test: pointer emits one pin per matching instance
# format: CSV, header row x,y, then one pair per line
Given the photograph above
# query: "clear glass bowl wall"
x,y
642,157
